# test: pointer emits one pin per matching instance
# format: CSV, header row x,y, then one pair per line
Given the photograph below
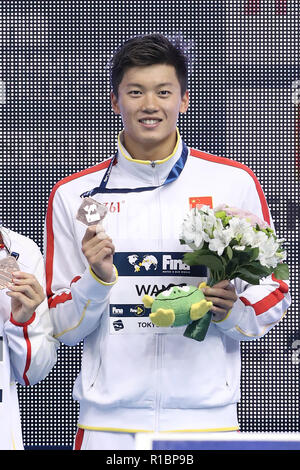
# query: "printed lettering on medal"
x,y
7,266
91,212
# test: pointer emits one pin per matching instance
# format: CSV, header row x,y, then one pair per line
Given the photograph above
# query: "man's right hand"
x,y
99,252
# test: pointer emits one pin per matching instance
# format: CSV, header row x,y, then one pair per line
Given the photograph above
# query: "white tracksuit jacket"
x,y
134,376
27,350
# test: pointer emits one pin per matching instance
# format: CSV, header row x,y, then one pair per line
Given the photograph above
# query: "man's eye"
x,y
135,92
164,92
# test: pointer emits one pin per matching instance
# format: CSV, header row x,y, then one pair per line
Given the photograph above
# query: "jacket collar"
x,y
146,170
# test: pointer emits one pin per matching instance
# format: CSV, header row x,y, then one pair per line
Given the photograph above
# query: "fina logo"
x,y
149,262
171,264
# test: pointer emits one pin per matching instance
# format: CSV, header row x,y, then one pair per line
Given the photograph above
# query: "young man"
x,y
135,377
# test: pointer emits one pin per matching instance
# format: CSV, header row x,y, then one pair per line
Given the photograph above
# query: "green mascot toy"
x,y
177,305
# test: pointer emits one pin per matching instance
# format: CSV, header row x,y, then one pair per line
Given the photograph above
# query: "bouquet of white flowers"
x,y
231,243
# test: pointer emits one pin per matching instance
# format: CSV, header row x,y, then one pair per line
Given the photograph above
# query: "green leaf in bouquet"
x,y
246,256
281,272
229,252
254,252
191,259
244,274
197,329
211,261
256,268
231,268
242,257
224,261
220,214
203,251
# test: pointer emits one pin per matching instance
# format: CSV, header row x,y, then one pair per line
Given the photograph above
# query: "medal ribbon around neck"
x,y
173,175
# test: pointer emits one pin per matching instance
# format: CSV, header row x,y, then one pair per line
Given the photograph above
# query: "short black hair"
x,y
147,50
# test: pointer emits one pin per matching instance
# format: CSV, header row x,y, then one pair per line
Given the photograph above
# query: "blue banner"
x,y
155,264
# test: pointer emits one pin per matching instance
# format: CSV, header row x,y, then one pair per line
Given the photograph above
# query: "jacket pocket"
x,y
194,374
124,376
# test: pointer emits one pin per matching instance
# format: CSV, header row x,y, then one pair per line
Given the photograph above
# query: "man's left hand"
x,y
223,297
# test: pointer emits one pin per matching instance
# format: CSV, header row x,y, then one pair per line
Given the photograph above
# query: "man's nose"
x,y
149,103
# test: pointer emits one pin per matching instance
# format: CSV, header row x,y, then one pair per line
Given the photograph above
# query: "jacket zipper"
x,y
159,337
158,381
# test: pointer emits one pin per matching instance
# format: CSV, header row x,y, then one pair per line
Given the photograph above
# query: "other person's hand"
x,y
26,295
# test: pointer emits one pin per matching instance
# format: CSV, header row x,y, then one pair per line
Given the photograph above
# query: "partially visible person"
x,y
27,347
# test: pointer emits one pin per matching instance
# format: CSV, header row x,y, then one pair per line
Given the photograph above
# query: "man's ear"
x,y
184,102
114,103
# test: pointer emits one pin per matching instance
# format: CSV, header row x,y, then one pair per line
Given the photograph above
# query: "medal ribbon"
x,y
173,175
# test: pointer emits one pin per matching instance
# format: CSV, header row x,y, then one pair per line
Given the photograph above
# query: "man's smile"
x,y
150,123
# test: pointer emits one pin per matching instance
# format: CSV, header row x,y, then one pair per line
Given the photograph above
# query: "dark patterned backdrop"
x,y
56,119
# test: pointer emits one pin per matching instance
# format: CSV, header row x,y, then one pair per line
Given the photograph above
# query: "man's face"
x,y
149,102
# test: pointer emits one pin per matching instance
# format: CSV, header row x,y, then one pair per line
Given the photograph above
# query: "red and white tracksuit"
x,y
27,350
134,377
